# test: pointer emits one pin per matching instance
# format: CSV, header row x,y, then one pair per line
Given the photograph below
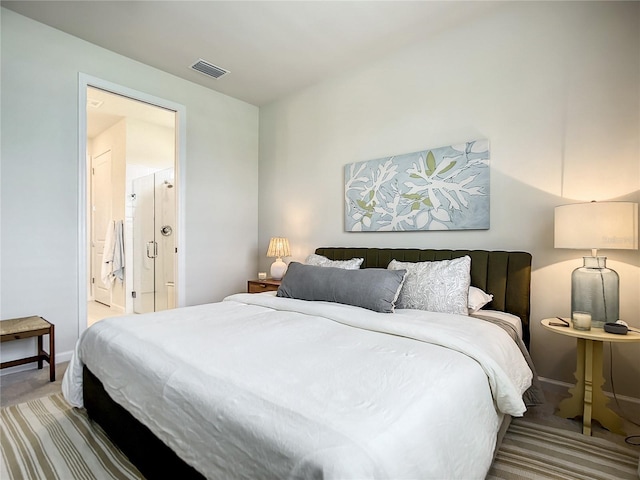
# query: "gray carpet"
x,y
20,387
47,439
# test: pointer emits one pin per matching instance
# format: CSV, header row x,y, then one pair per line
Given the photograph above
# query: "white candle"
x,y
581,321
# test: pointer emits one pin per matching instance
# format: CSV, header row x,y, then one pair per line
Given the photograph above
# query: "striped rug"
x,y
47,439
530,450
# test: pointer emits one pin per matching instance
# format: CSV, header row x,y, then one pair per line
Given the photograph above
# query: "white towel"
x,y
106,271
118,251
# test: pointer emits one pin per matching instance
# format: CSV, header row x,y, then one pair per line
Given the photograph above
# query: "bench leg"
x,y
52,354
40,352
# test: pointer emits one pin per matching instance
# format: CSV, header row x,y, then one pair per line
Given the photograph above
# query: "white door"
x,y
100,221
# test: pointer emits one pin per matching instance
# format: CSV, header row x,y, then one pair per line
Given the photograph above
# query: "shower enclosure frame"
x,y
153,242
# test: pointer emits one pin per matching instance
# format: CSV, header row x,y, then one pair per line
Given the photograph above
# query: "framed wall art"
x,y
444,188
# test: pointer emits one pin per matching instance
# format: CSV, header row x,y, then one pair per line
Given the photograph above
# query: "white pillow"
x,y
441,286
477,299
322,261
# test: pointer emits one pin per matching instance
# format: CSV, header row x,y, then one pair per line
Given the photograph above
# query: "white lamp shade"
x,y
597,225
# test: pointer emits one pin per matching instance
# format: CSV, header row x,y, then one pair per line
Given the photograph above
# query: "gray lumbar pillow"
x,y
376,289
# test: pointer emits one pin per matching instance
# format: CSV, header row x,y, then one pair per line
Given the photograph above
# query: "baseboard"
x,y
625,401
623,398
61,357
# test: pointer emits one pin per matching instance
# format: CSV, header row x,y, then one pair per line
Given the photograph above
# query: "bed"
x,y
266,386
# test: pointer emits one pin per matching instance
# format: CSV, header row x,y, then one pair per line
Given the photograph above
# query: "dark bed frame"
x,y
506,275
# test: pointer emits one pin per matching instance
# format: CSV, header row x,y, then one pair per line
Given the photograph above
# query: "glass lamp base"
x,y
595,289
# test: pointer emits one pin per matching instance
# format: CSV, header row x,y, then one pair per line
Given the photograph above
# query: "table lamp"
x,y
278,248
596,225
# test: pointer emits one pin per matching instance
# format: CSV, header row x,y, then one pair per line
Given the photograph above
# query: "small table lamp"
x,y
594,225
278,247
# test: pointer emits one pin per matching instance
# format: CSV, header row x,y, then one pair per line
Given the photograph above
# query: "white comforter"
x,y
263,387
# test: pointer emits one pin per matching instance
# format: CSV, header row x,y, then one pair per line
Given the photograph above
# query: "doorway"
x,y
139,136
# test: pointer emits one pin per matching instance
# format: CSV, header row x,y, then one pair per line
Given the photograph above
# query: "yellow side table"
x,y
587,399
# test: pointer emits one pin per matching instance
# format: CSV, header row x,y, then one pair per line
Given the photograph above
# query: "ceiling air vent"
x,y
209,69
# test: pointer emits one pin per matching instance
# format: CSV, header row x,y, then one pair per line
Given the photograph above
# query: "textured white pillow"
x,y
477,299
322,261
441,286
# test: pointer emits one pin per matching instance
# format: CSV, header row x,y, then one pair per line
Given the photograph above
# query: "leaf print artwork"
x,y
444,188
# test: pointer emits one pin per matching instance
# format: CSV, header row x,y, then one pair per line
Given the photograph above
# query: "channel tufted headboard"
x,y
506,275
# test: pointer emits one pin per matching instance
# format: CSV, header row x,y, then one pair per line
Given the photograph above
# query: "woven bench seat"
x,y
27,327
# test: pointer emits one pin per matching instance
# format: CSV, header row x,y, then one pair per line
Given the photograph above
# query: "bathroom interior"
x,y
131,180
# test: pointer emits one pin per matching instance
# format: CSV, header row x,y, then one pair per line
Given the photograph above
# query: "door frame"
x,y
85,81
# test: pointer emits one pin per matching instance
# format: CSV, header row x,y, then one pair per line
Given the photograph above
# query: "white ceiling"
x,y
271,48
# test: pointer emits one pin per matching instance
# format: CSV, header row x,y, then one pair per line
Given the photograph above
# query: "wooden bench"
x,y
26,327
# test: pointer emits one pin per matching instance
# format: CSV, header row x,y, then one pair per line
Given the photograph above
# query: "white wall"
x,y
150,144
553,86
39,185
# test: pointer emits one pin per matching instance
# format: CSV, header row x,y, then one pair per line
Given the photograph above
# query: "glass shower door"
x,y
165,221
153,242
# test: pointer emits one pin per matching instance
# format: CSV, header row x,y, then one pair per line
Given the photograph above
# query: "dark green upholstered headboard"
x,y
506,275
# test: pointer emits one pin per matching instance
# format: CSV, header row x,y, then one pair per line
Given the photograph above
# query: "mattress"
x,y
260,386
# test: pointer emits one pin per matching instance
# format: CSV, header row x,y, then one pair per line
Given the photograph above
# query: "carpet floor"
x,y
47,439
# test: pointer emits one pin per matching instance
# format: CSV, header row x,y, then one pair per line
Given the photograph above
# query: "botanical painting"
x,y
444,188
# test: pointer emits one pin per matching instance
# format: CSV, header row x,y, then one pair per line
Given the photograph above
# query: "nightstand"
x,y
587,399
259,286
